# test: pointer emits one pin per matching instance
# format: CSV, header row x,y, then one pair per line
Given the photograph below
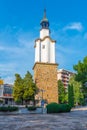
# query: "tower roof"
x,y
44,22
44,16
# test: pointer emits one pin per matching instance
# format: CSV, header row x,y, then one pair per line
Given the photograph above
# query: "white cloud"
x,y
16,53
7,68
74,26
9,80
7,71
20,46
70,48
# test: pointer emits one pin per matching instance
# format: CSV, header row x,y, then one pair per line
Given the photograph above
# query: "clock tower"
x,y
45,67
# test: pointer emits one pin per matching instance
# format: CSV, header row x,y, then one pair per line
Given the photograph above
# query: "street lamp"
x,y
42,90
42,101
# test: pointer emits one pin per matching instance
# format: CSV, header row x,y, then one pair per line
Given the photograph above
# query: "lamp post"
x,y
42,90
42,101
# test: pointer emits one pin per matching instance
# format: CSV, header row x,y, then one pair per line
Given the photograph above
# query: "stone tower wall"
x,y
45,76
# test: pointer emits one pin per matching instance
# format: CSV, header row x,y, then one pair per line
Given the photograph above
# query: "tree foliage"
x,y
70,95
29,87
81,73
81,69
77,90
61,92
24,88
18,89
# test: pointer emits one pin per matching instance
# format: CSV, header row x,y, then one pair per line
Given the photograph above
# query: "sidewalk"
x,y
23,110
74,120
79,108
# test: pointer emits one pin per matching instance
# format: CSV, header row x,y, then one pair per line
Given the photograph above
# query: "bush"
x,y
52,108
1,101
31,108
57,108
64,107
38,106
8,109
71,95
18,102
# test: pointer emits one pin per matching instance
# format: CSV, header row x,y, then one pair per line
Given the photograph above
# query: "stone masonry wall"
x,y
45,76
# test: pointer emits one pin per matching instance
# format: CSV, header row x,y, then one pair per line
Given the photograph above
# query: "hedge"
x,y
8,108
31,108
57,108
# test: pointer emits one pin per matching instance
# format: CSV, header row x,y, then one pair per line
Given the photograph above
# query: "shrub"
x,y
70,96
64,107
12,108
57,108
8,108
18,102
52,108
3,109
31,108
38,107
1,101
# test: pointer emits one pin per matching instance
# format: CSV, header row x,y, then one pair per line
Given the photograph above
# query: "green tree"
x,y
18,89
81,69
29,87
24,88
81,74
77,87
70,95
62,92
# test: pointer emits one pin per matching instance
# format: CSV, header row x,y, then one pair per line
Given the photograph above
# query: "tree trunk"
x,y
22,101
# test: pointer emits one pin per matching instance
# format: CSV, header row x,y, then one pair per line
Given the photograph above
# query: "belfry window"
x,y
43,46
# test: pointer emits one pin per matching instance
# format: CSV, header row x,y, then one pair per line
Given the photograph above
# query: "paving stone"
x,y
75,120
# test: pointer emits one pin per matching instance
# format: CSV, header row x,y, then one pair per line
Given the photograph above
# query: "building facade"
x,y
64,76
45,67
6,93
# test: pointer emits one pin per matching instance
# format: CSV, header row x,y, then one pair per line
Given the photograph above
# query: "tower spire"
x,y
44,13
44,22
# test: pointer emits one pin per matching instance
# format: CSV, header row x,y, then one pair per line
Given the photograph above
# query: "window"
x,y
43,46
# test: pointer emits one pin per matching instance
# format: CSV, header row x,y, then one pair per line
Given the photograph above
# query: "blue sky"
x,y
20,25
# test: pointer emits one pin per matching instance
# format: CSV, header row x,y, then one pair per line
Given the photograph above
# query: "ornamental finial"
x,y
44,13
44,22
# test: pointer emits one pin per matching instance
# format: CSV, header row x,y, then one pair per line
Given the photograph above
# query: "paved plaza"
x,y
75,120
